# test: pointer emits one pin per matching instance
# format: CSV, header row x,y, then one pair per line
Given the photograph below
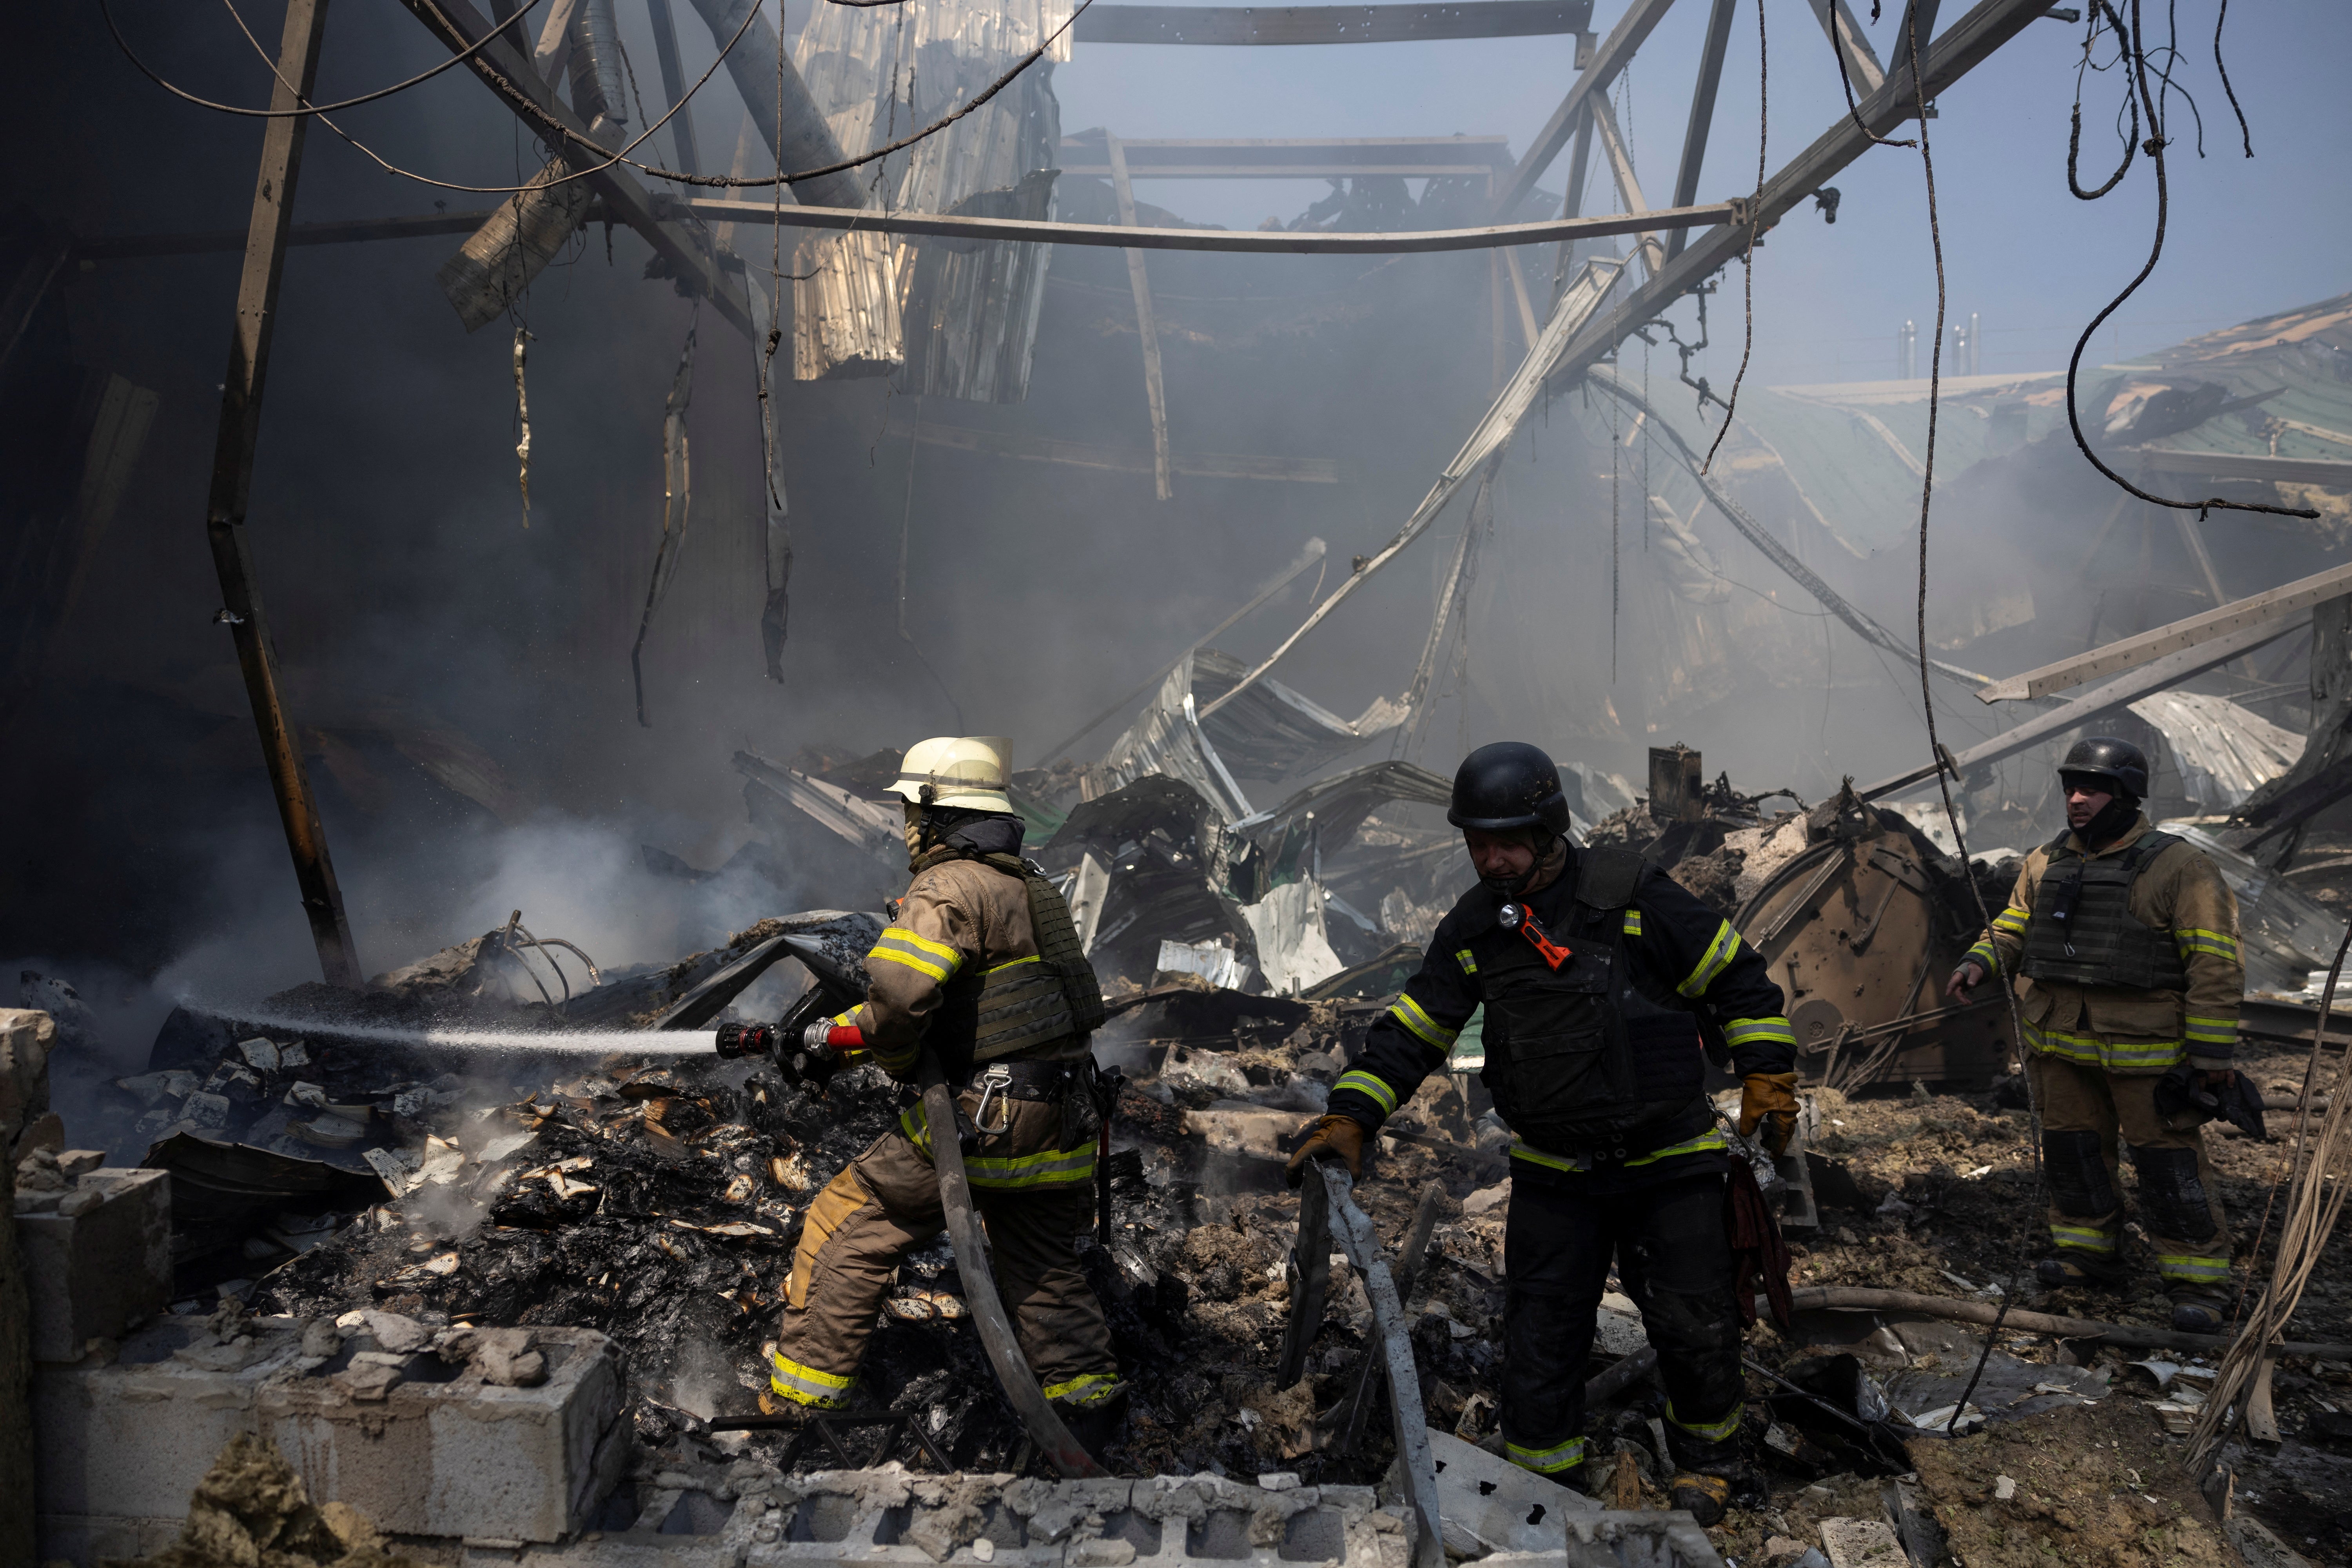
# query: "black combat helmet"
x,y
1505,785
2117,762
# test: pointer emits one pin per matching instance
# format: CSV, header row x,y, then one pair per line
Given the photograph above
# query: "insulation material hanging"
x,y
598,94
677,494
499,260
962,317
522,421
776,529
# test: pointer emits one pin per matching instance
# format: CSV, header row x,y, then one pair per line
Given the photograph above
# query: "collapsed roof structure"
x,y
1250,876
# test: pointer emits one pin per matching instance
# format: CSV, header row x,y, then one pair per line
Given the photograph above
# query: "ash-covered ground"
x,y
656,1198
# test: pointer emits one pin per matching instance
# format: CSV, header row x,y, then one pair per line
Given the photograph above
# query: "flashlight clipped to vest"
x,y
1512,917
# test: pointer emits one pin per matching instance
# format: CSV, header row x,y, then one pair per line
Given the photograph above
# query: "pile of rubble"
x,y
440,1185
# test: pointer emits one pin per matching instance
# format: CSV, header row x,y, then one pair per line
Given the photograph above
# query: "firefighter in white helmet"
x,y
983,969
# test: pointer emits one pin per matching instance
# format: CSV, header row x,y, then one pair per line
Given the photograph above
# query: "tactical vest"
x,y
1583,1060
1023,1003
2082,931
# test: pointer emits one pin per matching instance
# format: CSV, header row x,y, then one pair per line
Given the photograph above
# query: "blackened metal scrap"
x,y
1352,1415
677,498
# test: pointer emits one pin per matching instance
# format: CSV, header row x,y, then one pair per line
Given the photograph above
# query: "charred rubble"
x,y
441,1167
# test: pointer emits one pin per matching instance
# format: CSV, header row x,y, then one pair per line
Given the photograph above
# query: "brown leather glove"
x,y
1333,1135
1768,1101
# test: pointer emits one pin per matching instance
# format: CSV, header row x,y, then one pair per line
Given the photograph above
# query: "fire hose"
x,y
1021,1386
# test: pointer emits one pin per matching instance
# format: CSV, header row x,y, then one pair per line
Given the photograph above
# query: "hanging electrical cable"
x,y
1927,702
530,109
2151,109
557,133
302,107
1748,256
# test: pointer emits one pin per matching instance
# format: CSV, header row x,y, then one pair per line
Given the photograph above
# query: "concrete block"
x,y
442,1453
100,1262
1488,1504
129,1438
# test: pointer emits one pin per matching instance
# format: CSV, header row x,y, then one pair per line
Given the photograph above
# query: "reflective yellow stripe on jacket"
x,y
920,954
1047,1168
1363,1082
1756,1031
2191,940
2109,1056
1421,1026
1712,963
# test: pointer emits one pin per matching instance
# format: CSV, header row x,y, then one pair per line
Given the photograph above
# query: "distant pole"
x,y
232,488
1907,352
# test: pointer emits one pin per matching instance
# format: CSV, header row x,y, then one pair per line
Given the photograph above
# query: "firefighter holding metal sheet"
x,y
983,969
1596,972
2123,941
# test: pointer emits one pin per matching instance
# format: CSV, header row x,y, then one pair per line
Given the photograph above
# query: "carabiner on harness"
x,y
996,1081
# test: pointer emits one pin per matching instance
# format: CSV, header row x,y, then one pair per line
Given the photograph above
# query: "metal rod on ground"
x,y
1329,1183
1013,1370
1365,1392
1853,1298
232,488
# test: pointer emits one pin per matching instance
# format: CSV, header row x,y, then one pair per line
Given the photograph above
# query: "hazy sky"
x,y
2246,238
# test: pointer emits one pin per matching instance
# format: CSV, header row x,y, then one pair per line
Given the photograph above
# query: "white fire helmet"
x,y
969,772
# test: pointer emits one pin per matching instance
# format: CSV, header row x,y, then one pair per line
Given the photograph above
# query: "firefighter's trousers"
x,y
1675,1262
2085,1111
1033,1182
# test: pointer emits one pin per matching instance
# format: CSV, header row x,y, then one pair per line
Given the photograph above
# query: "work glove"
x,y
1768,1109
1333,1135
1965,979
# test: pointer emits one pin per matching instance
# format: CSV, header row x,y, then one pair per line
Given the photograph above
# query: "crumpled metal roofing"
x,y
2224,752
964,318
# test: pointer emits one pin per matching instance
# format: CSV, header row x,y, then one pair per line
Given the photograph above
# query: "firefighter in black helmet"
x,y
1596,972
2124,941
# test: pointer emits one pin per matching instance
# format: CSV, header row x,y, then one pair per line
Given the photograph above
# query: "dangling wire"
x,y
1748,256
2133,41
2244,134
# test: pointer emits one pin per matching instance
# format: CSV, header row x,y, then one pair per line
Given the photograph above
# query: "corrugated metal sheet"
x,y
1272,732
2224,752
1166,738
963,319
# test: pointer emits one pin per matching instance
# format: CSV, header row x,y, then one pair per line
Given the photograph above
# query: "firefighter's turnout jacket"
x,y
2089,1012
1598,993
2125,966
1664,969
959,971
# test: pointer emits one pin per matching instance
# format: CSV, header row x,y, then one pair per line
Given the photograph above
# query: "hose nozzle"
x,y
746,1039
